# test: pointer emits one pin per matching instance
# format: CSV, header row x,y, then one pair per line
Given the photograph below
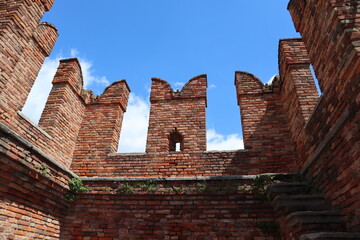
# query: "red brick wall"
x,y
173,164
24,45
19,19
264,123
62,121
282,133
100,129
28,64
32,187
298,91
31,191
168,216
330,37
331,151
180,112
32,204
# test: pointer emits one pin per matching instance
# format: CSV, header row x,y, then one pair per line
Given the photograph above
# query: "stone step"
x,y
291,188
330,236
285,204
308,221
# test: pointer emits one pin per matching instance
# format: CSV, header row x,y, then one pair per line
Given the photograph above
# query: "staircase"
x,y
305,215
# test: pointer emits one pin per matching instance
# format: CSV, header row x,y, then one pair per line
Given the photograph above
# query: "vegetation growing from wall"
x,y
76,186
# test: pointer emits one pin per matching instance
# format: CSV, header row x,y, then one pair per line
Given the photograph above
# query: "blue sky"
x,y
169,39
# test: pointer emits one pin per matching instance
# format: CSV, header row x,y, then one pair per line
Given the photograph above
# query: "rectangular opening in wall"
x,y
135,126
40,91
223,131
178,147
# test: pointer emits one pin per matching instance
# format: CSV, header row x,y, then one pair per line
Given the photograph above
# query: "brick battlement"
x,y
177,117
287,129
194,88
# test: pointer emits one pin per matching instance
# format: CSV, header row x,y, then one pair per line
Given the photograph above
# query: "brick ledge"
x,y
5,129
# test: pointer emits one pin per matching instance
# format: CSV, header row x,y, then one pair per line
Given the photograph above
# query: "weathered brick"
x,y
286,129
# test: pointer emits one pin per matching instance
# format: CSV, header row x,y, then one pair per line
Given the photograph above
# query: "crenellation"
x,y
19,19
298,88
180,111
287,130
63,121
26,71
294,67
117,93
265,129
160,90
46,35
195,87
69,72
247,83
102,119
25,44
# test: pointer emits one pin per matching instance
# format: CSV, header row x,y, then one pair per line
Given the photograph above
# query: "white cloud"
x,y
39,93
212,86
135,126
42,87
74,52
89,77
216,141
88,73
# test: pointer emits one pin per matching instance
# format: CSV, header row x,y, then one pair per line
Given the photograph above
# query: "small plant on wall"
x,y
126,188
43,169
76,185
261,182
149,186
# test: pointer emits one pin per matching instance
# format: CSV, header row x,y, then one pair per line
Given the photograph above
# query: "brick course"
x,y
195,163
